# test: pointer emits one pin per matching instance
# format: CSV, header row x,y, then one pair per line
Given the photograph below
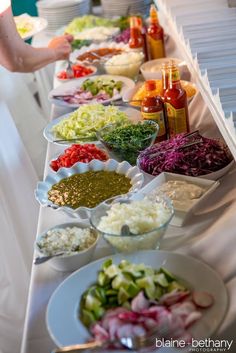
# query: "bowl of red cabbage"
x,y
187,154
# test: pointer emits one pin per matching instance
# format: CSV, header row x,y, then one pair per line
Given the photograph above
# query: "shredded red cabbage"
x,y
204,157
123,36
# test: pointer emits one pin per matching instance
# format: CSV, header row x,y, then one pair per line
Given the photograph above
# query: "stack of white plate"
x,y
125,7
59,13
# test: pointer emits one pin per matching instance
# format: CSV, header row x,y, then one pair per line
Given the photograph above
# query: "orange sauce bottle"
x,y
176,103
152,108
155,36
136,38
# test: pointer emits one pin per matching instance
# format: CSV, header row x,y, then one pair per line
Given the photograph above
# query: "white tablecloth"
x,y
210,236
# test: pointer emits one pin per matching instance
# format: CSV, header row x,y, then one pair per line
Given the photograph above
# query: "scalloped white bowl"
x,y
41,192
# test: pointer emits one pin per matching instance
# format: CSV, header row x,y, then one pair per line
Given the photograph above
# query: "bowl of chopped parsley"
x,y
127,141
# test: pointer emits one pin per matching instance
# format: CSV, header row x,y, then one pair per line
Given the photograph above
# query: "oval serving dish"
x,y
41,192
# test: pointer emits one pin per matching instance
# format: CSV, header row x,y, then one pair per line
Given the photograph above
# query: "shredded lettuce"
x,y
87,120
88,21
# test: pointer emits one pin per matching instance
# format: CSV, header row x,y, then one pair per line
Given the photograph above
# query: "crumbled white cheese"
x,y
70,239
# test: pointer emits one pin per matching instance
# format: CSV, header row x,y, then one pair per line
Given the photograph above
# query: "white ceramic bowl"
x,y
41,193
74,260
212,176
151,70
219,173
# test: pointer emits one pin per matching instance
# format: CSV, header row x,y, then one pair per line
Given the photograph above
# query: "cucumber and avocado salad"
x,y
98,85
118,284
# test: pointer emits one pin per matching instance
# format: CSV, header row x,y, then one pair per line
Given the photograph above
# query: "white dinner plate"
x,y
133,114
37,24
62,319
69,87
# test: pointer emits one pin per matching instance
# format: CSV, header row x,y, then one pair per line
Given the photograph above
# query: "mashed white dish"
x,y
68,240
125,64
182,193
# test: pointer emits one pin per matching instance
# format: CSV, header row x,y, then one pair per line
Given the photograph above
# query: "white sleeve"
x,y
4,4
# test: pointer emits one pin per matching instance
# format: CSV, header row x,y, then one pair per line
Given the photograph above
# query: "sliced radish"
x,y
192,317
203,299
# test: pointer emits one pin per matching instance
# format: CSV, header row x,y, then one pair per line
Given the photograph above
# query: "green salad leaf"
x,y
78,24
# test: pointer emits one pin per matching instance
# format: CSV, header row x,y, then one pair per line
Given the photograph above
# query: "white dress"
x,y
22,155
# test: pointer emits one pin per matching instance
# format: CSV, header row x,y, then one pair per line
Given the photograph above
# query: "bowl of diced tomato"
x,y
78,153
79,71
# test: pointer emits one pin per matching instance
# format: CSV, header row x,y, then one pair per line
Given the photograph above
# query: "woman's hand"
x,y
62,47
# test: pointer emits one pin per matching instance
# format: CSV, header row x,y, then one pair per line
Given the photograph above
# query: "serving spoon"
x,y
41,259
132,343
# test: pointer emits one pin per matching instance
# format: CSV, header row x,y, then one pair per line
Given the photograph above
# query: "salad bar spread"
x,y
88,189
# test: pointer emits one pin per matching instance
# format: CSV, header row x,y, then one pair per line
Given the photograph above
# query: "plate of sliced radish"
x,y
180,290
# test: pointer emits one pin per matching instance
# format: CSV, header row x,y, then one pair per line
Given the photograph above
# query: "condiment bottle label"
x,y
158,117
156,48
177,119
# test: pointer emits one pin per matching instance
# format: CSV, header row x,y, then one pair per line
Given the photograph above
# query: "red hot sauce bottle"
x,y
176,104
152,108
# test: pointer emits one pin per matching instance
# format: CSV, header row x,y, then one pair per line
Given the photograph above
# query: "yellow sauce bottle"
x,y
155,36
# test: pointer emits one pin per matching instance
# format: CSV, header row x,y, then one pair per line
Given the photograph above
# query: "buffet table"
x,y
208,236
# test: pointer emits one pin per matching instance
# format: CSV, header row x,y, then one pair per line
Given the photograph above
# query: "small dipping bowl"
x,y
73,260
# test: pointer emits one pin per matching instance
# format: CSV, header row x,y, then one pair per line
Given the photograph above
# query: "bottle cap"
x,y
133,22
150,85
153,13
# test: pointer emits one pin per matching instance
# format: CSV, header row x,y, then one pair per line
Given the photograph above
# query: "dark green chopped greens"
x,y
79,43
117,285
98,85
127,141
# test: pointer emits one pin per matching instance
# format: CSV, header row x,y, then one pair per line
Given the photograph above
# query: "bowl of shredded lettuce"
x,y
82,124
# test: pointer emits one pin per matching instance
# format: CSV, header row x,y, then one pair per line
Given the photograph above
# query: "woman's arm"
x,y
16,55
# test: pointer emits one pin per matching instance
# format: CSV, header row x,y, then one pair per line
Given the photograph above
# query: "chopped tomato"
x,y
78,70
78,153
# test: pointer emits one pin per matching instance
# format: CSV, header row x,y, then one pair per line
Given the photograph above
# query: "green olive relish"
x,y
88,189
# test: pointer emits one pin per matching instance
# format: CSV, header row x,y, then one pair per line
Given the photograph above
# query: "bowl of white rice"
x,y
132,224
75,242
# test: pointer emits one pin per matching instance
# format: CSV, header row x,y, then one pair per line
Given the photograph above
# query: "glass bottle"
x,y
143,31
152,108
164,79
136,38
155,36
176,103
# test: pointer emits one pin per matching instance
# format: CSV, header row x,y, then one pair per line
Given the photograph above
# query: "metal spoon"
x,y
125,231
132,343
41,259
